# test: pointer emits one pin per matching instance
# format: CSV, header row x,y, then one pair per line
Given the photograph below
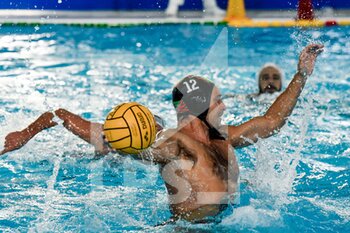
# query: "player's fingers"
x,y
60,112
319,51
315,48
53,123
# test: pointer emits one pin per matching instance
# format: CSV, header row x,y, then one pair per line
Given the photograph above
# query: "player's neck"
x,y
194,128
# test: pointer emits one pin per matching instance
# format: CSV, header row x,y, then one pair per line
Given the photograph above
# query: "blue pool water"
x,y
296,181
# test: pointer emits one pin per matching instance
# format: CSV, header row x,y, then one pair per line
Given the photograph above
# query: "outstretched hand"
x,y
16,140
307,59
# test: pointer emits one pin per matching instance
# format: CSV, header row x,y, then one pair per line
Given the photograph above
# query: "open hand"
x,y
307,59
15,140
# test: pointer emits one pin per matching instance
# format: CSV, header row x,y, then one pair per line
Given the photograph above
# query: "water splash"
x,y
44,222
74,68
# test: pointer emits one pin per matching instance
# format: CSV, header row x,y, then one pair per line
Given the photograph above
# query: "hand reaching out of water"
x,y
307,59
16,140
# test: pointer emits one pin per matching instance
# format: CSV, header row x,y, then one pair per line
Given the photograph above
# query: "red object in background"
x,y
305,10
331,23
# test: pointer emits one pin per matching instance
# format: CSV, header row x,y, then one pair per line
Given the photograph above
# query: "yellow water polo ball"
x,y
130,128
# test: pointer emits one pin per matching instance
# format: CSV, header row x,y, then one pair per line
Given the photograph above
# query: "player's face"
x,y
270,80
217,108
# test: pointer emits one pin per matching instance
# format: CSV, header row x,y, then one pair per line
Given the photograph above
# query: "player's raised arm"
x,y
268,124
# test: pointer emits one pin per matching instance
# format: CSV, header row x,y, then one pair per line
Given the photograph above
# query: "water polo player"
x,y
269,79
198,164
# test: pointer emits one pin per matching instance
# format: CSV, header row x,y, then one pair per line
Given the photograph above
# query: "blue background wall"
x,y
155,4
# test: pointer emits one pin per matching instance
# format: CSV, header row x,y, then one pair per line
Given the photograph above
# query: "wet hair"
x,y
272,65
191,96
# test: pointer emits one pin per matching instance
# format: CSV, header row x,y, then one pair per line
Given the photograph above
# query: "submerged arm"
x,y
276,116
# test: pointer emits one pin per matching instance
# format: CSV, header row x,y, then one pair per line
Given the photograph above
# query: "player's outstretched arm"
x,y
88,131
276,116
16,140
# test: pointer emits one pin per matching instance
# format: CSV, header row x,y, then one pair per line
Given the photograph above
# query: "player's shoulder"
x,y
169,134
174,136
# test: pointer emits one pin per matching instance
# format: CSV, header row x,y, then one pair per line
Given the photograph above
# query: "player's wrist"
x,y
302,74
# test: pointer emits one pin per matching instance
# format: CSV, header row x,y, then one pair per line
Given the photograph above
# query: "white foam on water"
x,y
340,206
43,222
87,83
323,167
274,174
252,217
275,168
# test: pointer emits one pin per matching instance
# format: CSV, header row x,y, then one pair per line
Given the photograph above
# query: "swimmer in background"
x,y
197,161
269,79
210,7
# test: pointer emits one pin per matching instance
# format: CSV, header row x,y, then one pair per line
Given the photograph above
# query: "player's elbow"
x,y
273,125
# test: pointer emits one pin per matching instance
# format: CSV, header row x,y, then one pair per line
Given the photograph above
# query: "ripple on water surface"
x,y
295,181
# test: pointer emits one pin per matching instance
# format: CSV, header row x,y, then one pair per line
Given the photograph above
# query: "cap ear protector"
x,y
191,96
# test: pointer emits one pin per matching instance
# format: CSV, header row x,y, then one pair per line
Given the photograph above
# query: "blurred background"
x,y
14,11
159,5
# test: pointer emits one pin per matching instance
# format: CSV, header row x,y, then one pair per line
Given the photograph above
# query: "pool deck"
x,y
122,18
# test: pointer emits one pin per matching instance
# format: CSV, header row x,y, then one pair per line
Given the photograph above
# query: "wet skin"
x,y
199,172
270,80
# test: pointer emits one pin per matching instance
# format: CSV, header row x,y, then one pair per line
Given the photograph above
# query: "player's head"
x,y
199,97
270,79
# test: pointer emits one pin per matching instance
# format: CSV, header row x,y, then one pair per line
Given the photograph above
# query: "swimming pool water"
x,y
296,181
